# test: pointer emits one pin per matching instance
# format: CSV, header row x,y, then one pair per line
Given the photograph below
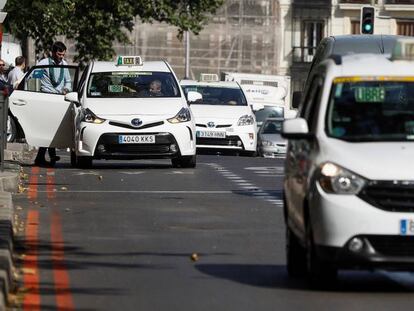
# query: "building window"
x,y
405,28
355,27
312,34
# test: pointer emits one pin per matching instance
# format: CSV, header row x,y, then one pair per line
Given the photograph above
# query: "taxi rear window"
x,y
214,95
132,84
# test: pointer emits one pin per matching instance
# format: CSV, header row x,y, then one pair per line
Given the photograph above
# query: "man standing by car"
x,y
56,81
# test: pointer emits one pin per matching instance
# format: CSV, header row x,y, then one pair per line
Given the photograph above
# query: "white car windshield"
x,y
213,95
132,84
372,110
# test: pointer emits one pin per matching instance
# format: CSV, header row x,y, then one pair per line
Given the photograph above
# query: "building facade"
x,y
313,20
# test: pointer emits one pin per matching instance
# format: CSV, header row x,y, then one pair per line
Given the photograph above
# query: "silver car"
x,y
270,143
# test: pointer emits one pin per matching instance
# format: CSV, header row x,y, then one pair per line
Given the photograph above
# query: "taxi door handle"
x,y
19,102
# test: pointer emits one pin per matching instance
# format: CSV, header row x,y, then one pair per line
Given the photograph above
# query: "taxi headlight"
x,y
337,180
245,120
183,115
89,117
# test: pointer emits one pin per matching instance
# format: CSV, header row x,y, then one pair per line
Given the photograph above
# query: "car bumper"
x,y
101,141
339,219
240,138
271,151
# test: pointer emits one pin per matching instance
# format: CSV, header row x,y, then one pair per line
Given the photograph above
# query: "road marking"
x,y
145,191
64,299
132,173
50,184
31,299
86,173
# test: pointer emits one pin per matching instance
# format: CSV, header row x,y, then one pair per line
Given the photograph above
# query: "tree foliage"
x,y
96,24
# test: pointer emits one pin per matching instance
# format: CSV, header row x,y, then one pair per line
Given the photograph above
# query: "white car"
x,y
223,118
126,109
349,178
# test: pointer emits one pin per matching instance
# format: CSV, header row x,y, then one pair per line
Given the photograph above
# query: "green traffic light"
x,y
368,27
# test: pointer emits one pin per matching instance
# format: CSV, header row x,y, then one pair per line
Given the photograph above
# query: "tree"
x,y
96,24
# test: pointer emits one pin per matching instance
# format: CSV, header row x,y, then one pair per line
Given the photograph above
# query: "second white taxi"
x,y
223,118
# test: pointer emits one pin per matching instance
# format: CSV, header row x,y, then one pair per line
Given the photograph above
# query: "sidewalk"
x,y
15,155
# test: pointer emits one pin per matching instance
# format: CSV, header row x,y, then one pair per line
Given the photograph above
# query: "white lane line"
x,y
240,181
144,191
233,177
274,175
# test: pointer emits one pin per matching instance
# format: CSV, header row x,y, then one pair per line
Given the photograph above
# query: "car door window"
x,y
82,81
311,102
51,79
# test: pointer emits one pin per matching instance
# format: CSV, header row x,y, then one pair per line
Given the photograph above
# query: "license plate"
x,y
407,227
211,134
136,139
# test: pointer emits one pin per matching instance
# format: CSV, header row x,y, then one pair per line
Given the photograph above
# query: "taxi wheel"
x,y
320,275
184,162
84,162
295,255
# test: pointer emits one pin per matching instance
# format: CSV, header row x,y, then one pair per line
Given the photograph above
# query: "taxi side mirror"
x,y
296,129
193,97
73,97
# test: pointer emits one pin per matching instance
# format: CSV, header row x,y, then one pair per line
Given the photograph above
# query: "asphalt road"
x,y
121,236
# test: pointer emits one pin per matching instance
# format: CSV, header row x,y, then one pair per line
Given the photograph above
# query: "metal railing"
x,y
303,54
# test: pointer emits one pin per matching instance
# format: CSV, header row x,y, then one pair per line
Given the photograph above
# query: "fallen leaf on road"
x,y
19,208
63,188
67,209
194,257
100,177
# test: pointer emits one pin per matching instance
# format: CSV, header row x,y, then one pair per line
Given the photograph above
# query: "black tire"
x,y
184,162
11,129
73,158
84,162
295,255
320,275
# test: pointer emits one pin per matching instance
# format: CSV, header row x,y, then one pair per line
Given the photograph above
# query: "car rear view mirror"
x,y
296,98
194,97
72,97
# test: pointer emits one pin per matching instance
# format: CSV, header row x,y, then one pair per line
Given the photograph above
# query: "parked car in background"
x,y
269,140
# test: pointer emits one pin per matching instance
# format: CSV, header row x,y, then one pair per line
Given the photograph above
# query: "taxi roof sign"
x,y
403,50
129,61
209,77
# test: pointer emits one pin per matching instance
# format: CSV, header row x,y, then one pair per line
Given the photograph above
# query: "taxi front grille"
x,y
391,245
228,141
136,149
391,196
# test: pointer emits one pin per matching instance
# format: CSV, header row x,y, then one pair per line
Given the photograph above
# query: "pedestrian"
x,y
57,81
3,75
17,73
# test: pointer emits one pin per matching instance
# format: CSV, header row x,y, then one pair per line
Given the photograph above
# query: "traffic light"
x,y
367,20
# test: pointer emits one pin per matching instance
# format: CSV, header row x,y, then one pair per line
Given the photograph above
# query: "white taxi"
x,y
349,178
223,118
127,109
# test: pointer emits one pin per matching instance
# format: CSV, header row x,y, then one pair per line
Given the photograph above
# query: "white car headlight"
x,y
183,115
89,117
267,143
337,180
245,120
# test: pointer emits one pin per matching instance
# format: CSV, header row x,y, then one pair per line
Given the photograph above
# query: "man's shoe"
x,y
41,163
54,159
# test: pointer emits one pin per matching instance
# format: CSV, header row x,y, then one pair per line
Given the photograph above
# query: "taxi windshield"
x,y
372,110
214,95
132,84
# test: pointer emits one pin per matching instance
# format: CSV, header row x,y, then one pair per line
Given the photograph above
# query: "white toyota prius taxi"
x,y
127,109
349,172
223,118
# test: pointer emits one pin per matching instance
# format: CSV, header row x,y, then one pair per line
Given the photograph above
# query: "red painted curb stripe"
x,y
32,191
31,277
64,299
